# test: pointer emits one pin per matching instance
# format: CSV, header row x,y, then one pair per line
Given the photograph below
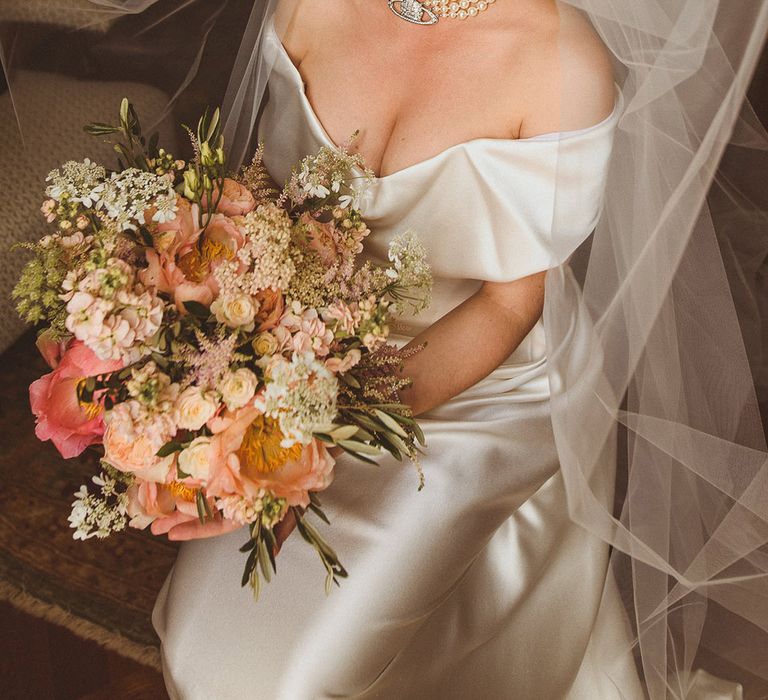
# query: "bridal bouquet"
x,y
214,336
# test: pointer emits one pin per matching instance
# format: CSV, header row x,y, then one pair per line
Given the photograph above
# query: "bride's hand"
x,y
181,527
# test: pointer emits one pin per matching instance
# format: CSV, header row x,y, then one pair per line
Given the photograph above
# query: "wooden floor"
x,y
42,661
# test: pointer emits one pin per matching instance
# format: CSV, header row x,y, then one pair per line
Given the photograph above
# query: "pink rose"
x,y
51,349
60,417
235,200
237,466
175,237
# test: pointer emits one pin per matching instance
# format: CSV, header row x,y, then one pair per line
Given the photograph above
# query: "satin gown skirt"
x,y
478,586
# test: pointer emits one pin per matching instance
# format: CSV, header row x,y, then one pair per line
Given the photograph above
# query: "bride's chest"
x,y
406,109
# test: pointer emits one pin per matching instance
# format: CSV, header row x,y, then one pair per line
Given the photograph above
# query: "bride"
x,y
500,132
462,590
585,176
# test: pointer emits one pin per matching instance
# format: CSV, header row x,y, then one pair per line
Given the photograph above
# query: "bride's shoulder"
x,y
576,86
297,21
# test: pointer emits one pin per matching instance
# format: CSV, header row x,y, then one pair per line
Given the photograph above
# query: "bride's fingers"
x,y
162,525
195,530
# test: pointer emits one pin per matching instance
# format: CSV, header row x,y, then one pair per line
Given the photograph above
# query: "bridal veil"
x,y
668,296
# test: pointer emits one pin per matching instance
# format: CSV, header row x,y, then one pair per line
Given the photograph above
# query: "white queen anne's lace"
x,y
81,182
301,395
128,194
98,515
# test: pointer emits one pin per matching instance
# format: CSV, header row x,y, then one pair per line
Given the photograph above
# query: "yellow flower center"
x,y
261,450
90,408
196,264
182,491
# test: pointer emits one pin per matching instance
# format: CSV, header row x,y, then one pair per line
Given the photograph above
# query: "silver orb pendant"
x,y
413,11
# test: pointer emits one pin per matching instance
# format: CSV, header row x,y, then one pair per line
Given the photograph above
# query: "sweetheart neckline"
x,y
315,119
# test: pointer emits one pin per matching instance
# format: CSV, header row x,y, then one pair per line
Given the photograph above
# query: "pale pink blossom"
x,y
310,334
348,317
131,444
339,365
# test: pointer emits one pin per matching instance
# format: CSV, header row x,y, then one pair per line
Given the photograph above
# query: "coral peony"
x,y
224,231
247,456
177,236
149,501
164,275
60,417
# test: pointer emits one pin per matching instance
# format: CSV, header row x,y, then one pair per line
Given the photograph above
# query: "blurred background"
x,y
74,617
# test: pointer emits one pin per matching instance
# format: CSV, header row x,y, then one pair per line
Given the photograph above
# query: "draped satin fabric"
x,y
479,585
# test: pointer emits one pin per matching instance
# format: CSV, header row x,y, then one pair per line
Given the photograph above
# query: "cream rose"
x,y
236,312
195,460
238,388
265,344
195,408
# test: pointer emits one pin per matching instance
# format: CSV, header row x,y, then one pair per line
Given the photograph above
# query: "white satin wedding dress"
x,y
479,586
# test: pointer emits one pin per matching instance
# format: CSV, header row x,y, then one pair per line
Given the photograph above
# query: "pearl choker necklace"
x,y
430,11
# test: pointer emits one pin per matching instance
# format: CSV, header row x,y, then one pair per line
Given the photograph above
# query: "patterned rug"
x,y
99,589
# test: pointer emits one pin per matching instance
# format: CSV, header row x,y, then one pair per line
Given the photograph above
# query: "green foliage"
x,y
134,150
39,286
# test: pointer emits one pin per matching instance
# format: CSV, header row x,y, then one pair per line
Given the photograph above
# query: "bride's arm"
x,y
470,341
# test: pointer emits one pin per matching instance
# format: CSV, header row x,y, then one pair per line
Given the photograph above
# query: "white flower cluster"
x,y
327,172
301,395
313,182
410,271
128,194
98,515
266,255
80,182
111,312
124,196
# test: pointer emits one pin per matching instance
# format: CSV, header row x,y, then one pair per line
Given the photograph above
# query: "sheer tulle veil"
x,y
656,349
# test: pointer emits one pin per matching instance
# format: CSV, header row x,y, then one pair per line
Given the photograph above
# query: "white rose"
x,y
238,388
195,460
195,408
237,311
